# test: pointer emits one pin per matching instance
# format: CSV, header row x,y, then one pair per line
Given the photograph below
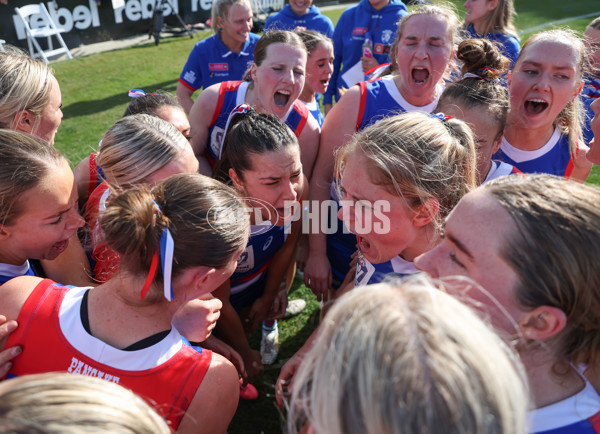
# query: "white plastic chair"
x,y
38,24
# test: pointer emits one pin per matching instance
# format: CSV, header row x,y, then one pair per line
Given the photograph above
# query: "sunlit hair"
x,y
595,24
444,10
25,162
571,119
152,104
220,9
72,404
250,134
311,38
24,85
136,146
417,157
274,37
554,251
500,20
405,357
201,213
486,93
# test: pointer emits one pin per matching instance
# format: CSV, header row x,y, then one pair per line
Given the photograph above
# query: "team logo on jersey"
x,y
268,243
218,66
386,35
189,76
359,31
245,262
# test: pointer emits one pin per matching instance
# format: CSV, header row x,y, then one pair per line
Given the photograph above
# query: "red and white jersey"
x,y
166,374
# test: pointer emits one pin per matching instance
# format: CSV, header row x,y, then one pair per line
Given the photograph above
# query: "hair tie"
x,y
441,116
165,250
242,108
486,73
137,93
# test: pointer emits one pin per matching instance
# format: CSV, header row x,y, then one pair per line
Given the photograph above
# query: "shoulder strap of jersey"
x,y
304,113
363,103
224,88
93,173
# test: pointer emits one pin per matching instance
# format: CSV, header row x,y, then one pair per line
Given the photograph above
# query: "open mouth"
x,y
281,98
60,247
363,244
420,76
535,106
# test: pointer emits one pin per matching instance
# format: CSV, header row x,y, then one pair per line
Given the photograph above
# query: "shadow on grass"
x,y
262,416
84,108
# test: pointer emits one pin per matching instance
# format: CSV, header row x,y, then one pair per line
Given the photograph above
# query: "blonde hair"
x,y
417,157
572,117
26,161
202,214
404,357
554,251
595,24
24,85
500,20
54,403
445,10
220,9
136,146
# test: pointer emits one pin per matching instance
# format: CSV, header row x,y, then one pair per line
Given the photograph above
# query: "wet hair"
x,y
554,250
273,37
136,146
486,92
417,157
220,9
405,357
24,85
151,104
201,213
62,403
249,134
571,119
311,38
26,161
500,20
440,10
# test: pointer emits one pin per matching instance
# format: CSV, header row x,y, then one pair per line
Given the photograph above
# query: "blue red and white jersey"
x,y
315,111
368,273
264,243
510,45
211,62
380,98
591,89
553,158
232,94
166,374
8,271
499,169
313,19
578,414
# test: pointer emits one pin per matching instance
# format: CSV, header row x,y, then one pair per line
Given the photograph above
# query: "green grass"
x,y
94,93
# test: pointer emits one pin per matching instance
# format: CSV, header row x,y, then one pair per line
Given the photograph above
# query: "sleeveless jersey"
x,y
8,271
232,94
166,374
553,158
105,261
578,414
380,98
499,169
367,273
315,111
264,243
